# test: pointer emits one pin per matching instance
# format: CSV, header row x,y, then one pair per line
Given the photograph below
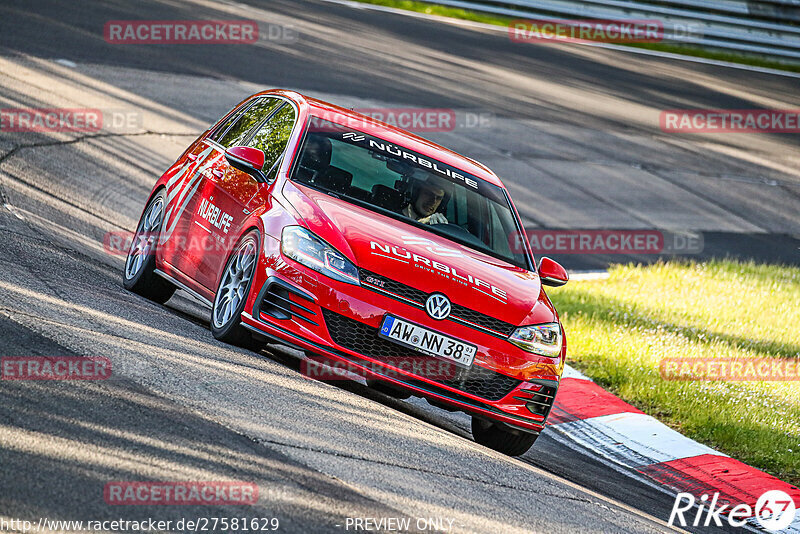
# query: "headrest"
x,y
386,197
317,152
335,179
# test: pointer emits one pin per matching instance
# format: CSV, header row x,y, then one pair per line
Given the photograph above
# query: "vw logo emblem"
x,y
438,306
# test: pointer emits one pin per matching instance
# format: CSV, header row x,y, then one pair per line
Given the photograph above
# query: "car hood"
x,y
422,260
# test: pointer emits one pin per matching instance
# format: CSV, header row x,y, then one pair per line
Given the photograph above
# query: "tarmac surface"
x,y
572,130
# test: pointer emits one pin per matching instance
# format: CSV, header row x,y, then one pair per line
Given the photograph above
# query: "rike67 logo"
x,y
774,511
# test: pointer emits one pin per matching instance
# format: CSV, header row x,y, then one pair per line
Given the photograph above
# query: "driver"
x,y
426,199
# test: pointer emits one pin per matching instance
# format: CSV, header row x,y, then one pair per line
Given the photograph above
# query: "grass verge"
x,y
499,20
619,330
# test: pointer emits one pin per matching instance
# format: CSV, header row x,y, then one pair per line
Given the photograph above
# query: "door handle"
x,y
191,156
217,173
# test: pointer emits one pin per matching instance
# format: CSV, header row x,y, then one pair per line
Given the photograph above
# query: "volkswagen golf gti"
x,y
300,222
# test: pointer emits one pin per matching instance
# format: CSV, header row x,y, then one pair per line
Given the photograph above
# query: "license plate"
x,y
427,341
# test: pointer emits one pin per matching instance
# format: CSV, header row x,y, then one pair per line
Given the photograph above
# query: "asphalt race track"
x,y
572,130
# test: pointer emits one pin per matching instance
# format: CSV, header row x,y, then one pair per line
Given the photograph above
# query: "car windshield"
x,y
395,181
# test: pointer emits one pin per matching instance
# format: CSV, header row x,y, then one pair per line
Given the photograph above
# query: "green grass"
x,y
444,11
620,329
499,20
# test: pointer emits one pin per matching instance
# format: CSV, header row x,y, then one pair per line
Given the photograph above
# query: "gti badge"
x,y
438,306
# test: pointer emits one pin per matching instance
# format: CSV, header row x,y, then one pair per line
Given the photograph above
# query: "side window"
x,y
273,136
241,126
222,128
500,233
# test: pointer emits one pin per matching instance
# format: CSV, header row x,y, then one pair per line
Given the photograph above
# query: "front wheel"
x,y
140,265
234,286
501,438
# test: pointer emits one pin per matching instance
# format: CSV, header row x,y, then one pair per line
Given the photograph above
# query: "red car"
x,y
362,245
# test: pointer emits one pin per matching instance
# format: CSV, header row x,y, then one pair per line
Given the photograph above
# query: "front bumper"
x,y
340,322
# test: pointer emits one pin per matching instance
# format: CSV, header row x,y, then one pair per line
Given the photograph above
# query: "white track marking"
x,y
571,372
634,439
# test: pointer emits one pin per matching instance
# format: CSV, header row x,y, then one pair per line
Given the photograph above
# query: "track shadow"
x,y
63,441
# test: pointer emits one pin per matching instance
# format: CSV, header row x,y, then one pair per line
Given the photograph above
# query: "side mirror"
x,y
552,273
247,159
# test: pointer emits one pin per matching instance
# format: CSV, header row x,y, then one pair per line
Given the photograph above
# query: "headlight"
x,y
543,339
306,248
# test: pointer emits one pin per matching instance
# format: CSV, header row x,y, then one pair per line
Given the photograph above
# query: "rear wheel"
x,y
234,286
501,438
139,276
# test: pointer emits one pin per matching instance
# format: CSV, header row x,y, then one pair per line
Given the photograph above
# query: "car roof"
x,y
392,134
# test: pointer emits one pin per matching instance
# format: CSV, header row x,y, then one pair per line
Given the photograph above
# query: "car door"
x,y
227,196
178,249
181,200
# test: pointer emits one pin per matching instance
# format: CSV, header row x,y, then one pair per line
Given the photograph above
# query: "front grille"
x,y
481,319
391,285
417,296
364,339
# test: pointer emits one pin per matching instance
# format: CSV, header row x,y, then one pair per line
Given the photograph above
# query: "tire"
x,y
232,292
139,274
501,438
